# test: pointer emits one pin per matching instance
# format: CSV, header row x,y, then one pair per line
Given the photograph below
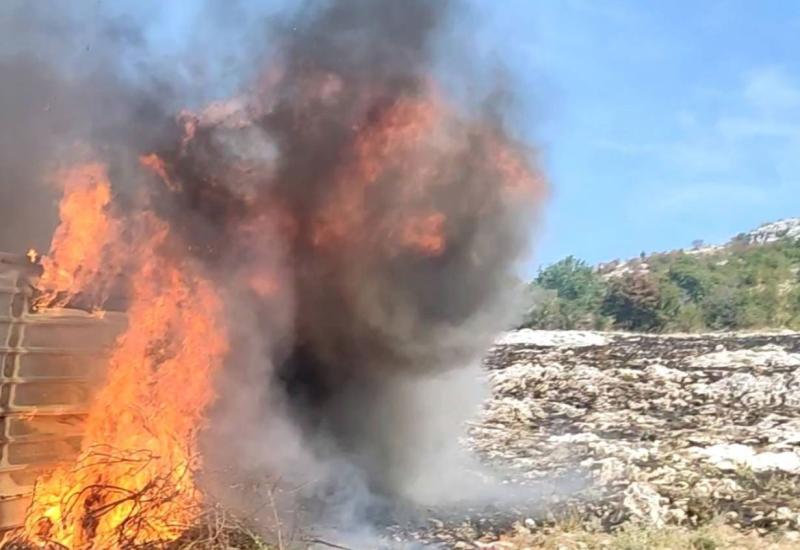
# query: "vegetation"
x,y
568,295
714,536
740,286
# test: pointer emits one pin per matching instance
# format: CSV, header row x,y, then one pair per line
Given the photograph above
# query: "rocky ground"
x,y
627,442
614,429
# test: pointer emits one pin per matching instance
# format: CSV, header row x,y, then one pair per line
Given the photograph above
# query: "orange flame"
x,y
381,145
154,163
76,261
133,483
515,173
425,234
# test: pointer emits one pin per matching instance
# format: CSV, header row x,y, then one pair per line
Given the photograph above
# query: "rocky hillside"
x,y
620,428
751,282
772,232
768,233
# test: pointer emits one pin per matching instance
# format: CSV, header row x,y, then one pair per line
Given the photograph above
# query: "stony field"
x,y
637,441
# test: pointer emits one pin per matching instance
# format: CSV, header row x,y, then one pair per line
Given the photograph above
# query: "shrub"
x,y
740,286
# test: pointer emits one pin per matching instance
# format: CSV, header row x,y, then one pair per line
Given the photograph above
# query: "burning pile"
x,y
335,230
134,481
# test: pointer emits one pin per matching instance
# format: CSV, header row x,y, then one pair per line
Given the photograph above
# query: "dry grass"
x,y
711,537
219,530
215,529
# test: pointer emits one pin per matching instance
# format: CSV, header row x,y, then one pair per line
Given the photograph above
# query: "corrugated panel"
x,y
51,362
12,511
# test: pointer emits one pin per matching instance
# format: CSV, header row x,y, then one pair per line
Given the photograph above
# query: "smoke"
x,y
362,228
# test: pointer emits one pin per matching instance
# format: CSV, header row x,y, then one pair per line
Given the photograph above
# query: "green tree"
x,y
758,307
689,318
545,309
793,307
572,279
576,292
721,307
742,285
633,302
671,301
692,276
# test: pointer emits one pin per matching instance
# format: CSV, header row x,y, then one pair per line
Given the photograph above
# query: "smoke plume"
x,y
361,226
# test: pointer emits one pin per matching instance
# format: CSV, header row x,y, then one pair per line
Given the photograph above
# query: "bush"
x,y
566,295
692,276
740,286
634,302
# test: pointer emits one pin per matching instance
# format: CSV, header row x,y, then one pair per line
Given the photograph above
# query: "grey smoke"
x,y
354,380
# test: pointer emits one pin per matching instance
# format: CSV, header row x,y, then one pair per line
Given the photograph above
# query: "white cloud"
x,y
771,90
743,127
741,149
770,107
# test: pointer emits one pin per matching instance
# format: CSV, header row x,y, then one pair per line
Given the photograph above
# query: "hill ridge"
x,y
750,282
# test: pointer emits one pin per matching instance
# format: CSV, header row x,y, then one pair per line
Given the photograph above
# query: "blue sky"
x,y
659,122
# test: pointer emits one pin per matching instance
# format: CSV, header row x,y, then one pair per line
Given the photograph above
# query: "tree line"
x,y
739,286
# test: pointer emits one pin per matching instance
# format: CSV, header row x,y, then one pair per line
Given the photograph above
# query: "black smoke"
x,y
332,350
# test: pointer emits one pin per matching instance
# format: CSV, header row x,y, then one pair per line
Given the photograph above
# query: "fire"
x,y
387,142
408,181
133,482
154,163
515,172
77,262
425,234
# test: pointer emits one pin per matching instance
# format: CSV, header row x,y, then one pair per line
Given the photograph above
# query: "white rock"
x,y
644,503
611,469
726,456
574,438
730,456
766,462
657,370
758,357
553,338
771,232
